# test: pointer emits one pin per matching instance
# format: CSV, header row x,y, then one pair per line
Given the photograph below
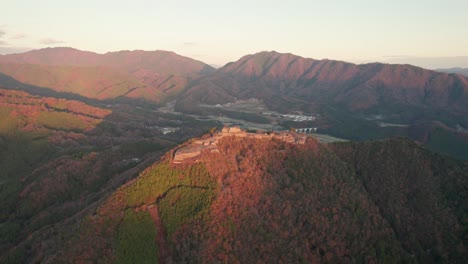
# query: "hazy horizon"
x,y
430,34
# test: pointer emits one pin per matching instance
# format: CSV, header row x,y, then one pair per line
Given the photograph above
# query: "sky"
x,y
429,32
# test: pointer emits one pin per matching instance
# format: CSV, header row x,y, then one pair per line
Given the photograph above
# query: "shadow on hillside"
x,y
53,176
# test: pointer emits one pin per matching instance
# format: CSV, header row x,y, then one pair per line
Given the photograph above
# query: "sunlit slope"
x,y
149,75
267,200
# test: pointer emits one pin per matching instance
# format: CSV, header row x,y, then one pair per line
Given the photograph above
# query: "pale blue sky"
x,y
217,31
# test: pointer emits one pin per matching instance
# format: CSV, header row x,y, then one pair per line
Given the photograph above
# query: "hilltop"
x,y
266,199
345,100
193,150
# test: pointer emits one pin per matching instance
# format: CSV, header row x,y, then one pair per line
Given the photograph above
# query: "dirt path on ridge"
x,y
164,254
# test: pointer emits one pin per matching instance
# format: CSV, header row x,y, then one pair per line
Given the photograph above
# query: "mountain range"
x,y
286,82
88,143
283,81
356,102
150,75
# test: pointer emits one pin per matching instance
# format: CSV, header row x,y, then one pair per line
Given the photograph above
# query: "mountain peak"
x,y
51,51
268,63
271,55
53,56
139,52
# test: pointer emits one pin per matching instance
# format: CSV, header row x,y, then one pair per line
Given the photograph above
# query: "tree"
x,y
212,131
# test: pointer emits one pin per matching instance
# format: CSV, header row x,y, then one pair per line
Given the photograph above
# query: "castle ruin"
x,y
195,149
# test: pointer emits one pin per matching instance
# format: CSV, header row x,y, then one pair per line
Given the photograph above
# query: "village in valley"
x,y
249,106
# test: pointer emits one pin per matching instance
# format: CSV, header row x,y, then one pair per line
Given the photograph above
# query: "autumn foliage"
x,y
270,201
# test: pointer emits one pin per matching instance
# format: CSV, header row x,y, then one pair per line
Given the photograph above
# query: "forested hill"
x,y
286,82
267,200
138,75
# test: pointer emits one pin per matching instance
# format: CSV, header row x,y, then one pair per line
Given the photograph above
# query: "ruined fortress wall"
x,y
199,145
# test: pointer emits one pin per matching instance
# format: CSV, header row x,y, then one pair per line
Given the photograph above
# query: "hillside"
x,y
149,75
264,199
286,82
356,102
60,158
92,82
43,148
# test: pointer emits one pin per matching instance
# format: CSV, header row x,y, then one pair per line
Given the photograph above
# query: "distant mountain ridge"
x,y
286,82
151,75
462,71
164,62
356,102
358,87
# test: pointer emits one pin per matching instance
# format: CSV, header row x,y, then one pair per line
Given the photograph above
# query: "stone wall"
x,y
193,150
